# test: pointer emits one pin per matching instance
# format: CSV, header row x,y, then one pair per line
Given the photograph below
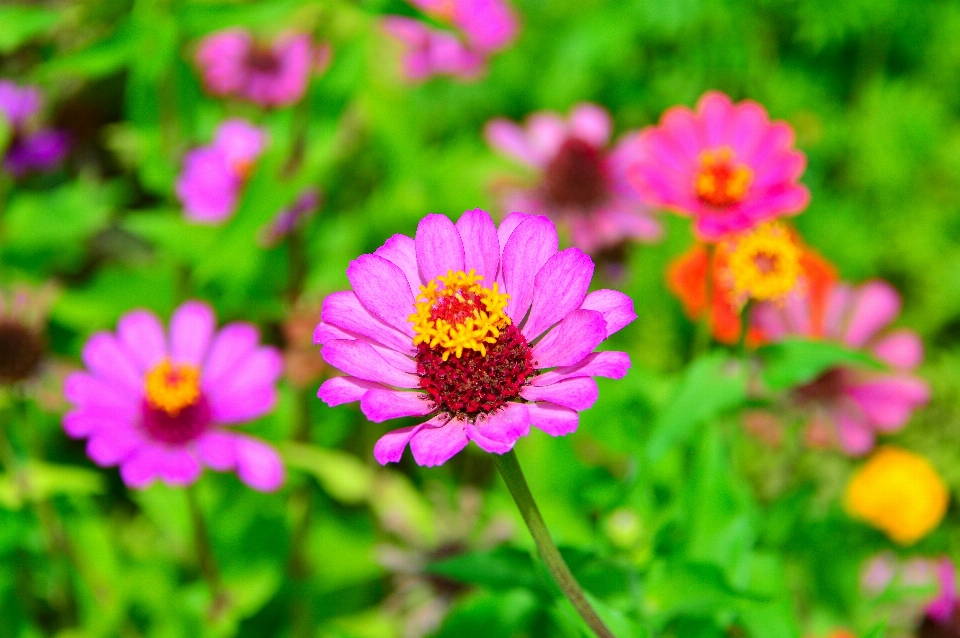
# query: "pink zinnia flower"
x,y
485,330
726,164
488,25
848,403
945,608
158,405
432,52
581,183
213,176
234,64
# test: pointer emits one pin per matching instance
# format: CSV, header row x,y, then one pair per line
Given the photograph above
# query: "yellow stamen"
x,y
764,263
459,292
172,387
722,181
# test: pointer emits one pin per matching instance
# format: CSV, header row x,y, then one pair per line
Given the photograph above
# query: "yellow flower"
x,y
764,263
899,493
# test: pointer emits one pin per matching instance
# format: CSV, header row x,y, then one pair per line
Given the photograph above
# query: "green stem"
x,y
512,475
205,557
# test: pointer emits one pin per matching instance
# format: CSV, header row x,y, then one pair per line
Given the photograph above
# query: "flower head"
x,y
487,25
22,317
485,330
213,176
846,404
580,183
158,404
765,263
899,493
31,148
271,75
726,164
430,52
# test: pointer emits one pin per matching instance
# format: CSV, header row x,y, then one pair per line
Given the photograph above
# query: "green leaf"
x,y
616,620
500,569
19,24
711,386
878,632
38,480
342,475
794,362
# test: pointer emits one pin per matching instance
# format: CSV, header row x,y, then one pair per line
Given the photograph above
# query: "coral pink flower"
x,y
484,330
158,405
234,64
581,183
850,404
726,164
432,52
213,176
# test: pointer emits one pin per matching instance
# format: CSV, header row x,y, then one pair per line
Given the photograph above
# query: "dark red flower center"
x,y
826,388
263,59
186,425
21,350
575,178
931,628
722,181
475,384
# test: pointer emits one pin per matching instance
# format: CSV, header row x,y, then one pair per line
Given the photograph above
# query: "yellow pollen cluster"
x,y
172,387
721,181
460,293
899,493
764,263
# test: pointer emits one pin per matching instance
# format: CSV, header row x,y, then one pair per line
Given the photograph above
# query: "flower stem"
x,y
512,475
205,557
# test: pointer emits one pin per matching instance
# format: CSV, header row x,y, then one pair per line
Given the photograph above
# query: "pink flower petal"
x,y
717,113
85,421
174,466
680,124
239,141
748,128
217,450
359,359
616,308
942,607
401,251
258,464
559,289
233,343
553,419
889,401
856,437
324,332
546,133
612,365
383,289
109,446
902,349
769,319
390,446
875,305
381,404
109,361
344,310
487,444
528,249
340,390
508,138
578,393
439,247
249,392
433,446
86,391
591,123
573,339
505,230
191,329
501,428
481,248
142,335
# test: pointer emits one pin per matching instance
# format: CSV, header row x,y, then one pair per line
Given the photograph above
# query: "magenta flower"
x,y
945,608
432,52
213,176
487,25
726,164
484,330
849,404
234,64
30,148
159,405
580,183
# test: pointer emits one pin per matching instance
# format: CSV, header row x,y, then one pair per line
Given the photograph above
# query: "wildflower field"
x,y
479,318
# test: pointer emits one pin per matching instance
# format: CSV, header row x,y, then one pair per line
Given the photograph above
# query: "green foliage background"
x,y
675,521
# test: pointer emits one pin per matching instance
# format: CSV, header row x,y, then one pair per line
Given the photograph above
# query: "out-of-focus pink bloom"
x,y
291,217
943,608
158,403
432,52
234,64
487,25
847,404
726,164
213,176
581,184
30,148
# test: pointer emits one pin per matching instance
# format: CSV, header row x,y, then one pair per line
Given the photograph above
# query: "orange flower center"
x,y
722,181
172,387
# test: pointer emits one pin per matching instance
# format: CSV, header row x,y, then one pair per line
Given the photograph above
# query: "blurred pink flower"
x,y
234,64
487,25
157,404
31,148
432,51
442,326
726,164
213,176
944,607
845,403
581,184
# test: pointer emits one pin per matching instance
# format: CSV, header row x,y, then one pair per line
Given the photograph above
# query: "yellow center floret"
x,y
454,312
764,263
722,181
172,387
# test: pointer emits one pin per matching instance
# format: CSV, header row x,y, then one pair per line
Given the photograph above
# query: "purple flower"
x,y
30,148
213,176
158,404
233,64
580,183
432,51
485,330
288,219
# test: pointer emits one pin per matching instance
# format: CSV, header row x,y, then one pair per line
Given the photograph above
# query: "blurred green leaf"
x,y
342,475
793,362
500,569
19,24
